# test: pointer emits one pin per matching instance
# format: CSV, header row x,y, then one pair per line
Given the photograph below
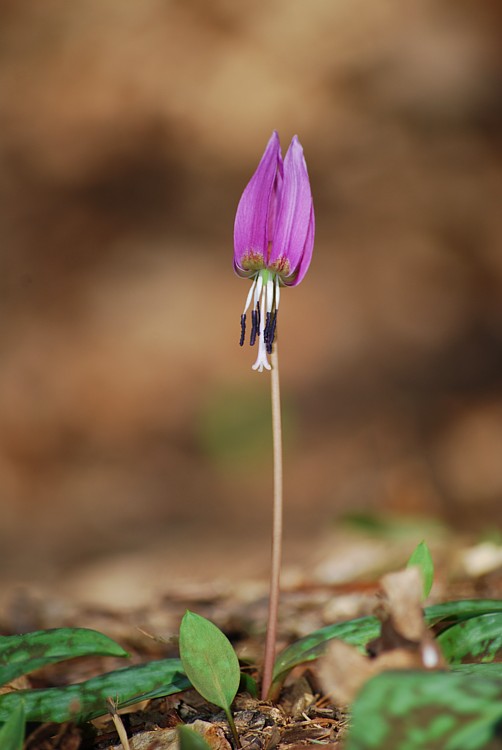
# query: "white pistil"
x,y
261,359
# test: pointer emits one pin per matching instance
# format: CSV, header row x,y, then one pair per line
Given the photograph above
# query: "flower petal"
x,y
307,253
253,220
294,231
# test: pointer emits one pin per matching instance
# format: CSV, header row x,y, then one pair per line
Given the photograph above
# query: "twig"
x,y
119,724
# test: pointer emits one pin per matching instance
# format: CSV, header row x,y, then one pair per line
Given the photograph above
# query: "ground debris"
x,y
405,641
55,737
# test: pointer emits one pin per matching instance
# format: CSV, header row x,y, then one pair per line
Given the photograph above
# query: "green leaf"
x,y
476,639
248,684
462,609
356,632
421,556
20,654
209,660
191,740
88,699
492,670
420,710
12,732
389,526
364,629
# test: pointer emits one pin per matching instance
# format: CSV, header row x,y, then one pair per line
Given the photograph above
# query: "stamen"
x,y
277,292
270,330
271,320
272,327
266,333
270,294
257,291
250,296
254,327
258,318
243,329
261,359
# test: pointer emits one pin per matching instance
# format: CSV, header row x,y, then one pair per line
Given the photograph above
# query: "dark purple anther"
x,y
272,327
254,327
266,332
243,329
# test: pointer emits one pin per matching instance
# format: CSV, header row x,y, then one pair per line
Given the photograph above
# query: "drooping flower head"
x,y
273,238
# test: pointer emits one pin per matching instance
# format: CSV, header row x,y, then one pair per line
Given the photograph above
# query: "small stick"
x,y
119,724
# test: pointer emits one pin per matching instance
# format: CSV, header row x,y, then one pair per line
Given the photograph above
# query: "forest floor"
x,y
340,583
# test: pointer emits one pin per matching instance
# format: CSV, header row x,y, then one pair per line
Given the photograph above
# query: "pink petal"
x,y
307,252
253,220
294,231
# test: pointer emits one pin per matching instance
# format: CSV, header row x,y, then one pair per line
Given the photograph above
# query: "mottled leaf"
x,y
12,732
88,699
209,660
476,639
422,558
461,609
357,632
426,711
20,654
492,670
360,631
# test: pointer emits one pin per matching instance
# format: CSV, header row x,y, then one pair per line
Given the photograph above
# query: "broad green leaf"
x,y
12,732
360,631
476,639
356,632
88,699
209,660
191,740
20,654
421,557
420,710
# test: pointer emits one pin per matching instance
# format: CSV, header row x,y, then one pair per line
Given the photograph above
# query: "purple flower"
x,y
273,238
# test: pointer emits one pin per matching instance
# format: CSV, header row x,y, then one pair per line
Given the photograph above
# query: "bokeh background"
x,y
131,424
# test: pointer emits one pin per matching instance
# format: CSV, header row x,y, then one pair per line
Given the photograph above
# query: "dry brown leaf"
x,y
403,595
297,698
344,670
405,641
19,683
167,739
403,624
159,739
55,737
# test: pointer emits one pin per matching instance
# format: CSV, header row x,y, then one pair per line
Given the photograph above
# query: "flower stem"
x,y
275,573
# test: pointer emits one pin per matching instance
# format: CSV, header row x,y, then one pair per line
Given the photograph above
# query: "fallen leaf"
x,y
405,641
167,739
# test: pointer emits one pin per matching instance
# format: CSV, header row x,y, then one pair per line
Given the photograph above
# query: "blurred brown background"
x,y
130,421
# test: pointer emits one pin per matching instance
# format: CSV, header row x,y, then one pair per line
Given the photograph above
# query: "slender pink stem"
x,y
275,573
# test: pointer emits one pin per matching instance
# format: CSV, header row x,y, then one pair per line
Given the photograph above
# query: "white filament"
x,y
257,291
250,296
261,359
